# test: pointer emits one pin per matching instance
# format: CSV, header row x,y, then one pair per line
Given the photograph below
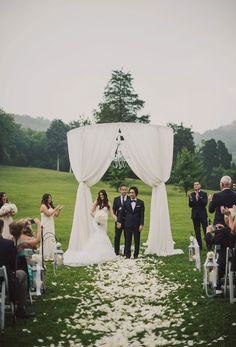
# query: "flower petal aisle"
x,y
131,305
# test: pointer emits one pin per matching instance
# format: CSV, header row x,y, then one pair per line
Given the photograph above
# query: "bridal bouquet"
x,y
100,217
8,208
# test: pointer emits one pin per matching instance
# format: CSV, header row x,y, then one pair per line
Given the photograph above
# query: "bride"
x,y
98,248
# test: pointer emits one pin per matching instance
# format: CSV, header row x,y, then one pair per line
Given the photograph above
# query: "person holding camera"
x,y
18,285
223,236
48,211
198,202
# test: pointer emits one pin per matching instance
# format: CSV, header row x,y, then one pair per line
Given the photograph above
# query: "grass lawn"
x,y
205,321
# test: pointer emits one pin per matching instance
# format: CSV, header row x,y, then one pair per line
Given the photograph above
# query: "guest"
x,y
8,258
117,206
226,198
223,236
47,221
24,238
198,203
7,210
132,213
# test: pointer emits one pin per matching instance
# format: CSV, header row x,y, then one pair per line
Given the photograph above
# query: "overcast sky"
x,y
57,57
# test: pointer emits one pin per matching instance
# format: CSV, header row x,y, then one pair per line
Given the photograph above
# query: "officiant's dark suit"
x,y
132,213
198,202
117,206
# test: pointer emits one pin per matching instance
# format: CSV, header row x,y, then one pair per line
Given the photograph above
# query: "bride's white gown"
x,y
98,248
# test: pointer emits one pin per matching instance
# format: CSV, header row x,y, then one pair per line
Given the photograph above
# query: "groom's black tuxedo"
x,y
117,206
133,218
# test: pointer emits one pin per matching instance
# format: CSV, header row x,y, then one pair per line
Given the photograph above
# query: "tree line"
x,y
48,149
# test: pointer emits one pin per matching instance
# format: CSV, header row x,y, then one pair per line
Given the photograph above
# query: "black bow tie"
x,y
133,200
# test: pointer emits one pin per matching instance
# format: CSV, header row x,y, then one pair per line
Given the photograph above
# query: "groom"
x,y
132,213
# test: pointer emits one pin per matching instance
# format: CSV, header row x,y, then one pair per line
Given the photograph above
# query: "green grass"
x,y
25,187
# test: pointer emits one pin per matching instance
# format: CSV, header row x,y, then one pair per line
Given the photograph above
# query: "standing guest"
x,y
225,198
117,206
47,221
132,213
8,259
7,210
197,202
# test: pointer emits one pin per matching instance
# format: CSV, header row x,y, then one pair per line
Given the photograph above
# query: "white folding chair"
x,y
4,296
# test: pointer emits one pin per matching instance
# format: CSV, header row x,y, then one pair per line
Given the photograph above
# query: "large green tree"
x,y
121,103
57,141
210,155
225,157
7,133
183,138
187,170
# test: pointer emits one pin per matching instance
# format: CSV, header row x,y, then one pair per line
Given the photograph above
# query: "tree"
x,y
57,140
121,103
183,138
82,121
210,155
188,169
225,157
8,130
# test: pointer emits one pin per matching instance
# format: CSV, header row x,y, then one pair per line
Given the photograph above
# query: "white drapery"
x,y
91,150
148,150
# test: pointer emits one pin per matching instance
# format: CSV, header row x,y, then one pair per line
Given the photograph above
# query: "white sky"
x,y
56,57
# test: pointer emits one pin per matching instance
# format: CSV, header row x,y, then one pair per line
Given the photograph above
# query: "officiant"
x,y
118,203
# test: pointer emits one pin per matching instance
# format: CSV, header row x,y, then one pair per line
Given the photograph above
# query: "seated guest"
x,y
198,202
225,198
223,236
7,258
25,239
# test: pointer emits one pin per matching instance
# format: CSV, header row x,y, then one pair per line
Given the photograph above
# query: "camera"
x,y
31,220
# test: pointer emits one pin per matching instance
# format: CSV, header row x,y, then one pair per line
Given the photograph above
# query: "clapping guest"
x,y
48,211
225,198
7,210
198,202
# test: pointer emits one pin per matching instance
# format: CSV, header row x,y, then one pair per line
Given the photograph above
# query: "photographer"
x,y
24,238
17,286
223,236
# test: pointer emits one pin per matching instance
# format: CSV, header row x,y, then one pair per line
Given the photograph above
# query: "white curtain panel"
x,y
148,149
91,150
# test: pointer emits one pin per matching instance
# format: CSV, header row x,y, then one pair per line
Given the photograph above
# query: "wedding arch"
x,y
148,150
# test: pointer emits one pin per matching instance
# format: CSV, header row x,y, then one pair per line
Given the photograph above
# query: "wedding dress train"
x,y
98,248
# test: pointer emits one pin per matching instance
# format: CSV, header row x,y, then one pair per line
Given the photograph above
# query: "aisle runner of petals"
x,y
131,305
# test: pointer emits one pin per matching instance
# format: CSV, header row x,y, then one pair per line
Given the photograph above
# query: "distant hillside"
x,y
226,133
38,123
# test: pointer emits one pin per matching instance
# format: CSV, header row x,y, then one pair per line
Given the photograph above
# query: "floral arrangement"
x,y
8,208
100,217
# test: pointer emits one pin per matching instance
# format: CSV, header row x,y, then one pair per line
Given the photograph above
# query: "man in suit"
x,y
132,213
225,198
117,206
8,258
198,202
